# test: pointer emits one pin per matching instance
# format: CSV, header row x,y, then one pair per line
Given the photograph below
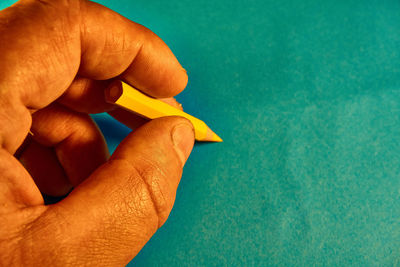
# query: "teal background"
x,y
306,95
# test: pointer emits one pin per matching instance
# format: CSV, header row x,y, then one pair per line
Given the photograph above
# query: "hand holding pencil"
x,y
57,59
131,99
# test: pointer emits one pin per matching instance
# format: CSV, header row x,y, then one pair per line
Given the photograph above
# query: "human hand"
x,y
57,58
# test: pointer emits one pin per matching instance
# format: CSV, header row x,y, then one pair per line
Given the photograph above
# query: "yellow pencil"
x,y
131,99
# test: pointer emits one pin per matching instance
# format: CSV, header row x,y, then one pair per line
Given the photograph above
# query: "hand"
x,y
56,59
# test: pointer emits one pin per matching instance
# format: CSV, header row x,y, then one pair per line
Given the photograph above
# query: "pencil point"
x,y
216,138
211,137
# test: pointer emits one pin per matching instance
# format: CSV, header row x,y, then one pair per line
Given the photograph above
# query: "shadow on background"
x,y
113,131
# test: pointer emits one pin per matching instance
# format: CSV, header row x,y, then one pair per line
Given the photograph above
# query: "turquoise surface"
x,y
306,95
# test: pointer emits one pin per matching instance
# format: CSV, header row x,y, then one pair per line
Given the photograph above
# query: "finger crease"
x,y
135,57
141,175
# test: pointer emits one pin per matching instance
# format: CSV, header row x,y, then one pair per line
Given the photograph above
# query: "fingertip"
x,y
183,82
155,70
181,79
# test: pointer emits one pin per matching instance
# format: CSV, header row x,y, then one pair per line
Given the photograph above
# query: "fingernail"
x,y
183,140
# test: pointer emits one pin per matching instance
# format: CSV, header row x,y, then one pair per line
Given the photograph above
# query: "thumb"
x,y
120,206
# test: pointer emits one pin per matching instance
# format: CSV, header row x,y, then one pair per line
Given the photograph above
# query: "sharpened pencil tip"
x,y
216,138
211,137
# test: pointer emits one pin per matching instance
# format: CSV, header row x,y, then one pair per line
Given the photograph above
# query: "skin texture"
x,y
57,57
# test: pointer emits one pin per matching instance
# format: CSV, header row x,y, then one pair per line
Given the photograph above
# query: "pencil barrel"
x,y
131,99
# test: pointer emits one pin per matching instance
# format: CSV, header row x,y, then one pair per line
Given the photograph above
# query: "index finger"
x,y
121,47
46,43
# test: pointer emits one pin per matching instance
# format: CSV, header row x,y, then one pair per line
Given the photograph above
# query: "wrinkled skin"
x,y
57,58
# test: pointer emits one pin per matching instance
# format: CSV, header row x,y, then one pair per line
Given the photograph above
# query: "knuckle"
x,y
150,190
140,203
132,198
155,180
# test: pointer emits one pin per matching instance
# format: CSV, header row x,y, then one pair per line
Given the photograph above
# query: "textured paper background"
x,y
306,95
